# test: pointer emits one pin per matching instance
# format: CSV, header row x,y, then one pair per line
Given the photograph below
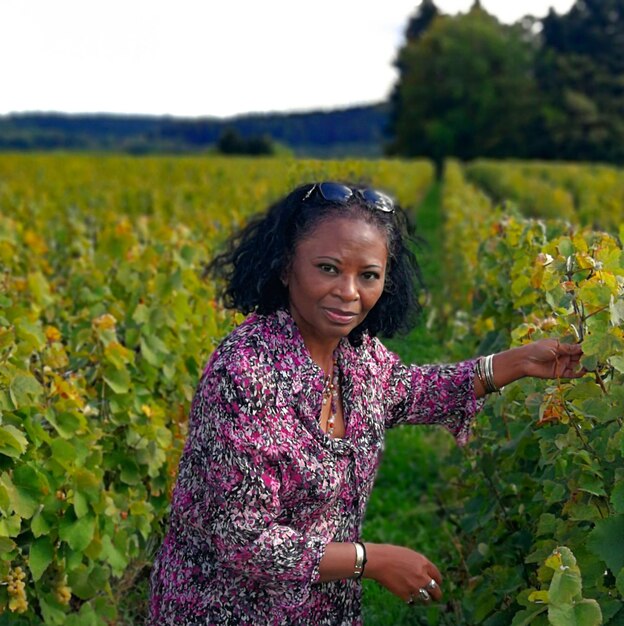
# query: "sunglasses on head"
x,y
338,193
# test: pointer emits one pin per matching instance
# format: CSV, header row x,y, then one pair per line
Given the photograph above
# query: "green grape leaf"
x,y
617,361
605,541
617,497
582,613
13,442
24,502
78,580
25,390
118,379
88,483
63,453
78,533
565,586
39,525
619,582
5,500
86,617
41,555
527,616
616,308
602,345
6,545
114,556
590,363
30,488
81,506
10,526
153,350
592,484
565,246
594,295
65,424
30,334
51,610
40,289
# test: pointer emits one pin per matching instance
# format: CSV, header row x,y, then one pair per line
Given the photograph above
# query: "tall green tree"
x,y
466,88
581,74
427,11
418,24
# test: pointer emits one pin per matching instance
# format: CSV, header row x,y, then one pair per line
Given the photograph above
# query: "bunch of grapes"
x,y
17,590
61,591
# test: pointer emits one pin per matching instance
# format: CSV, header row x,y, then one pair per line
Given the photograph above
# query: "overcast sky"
x,y
208,57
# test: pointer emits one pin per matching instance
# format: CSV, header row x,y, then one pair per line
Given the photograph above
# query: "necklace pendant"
x,y
331,385
331,422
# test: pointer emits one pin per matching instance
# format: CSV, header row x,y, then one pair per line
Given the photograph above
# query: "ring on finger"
x,y
432,585
423,595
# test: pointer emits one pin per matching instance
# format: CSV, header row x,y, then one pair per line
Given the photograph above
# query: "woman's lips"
x,y
340,317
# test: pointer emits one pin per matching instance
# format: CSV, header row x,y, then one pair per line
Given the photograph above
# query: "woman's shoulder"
x,y
258,343
247,339
372,350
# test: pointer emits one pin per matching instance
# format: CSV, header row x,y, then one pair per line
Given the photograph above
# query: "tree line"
x,y
357,130
470,86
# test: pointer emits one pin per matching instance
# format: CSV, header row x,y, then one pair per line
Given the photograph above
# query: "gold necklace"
x,y
330,396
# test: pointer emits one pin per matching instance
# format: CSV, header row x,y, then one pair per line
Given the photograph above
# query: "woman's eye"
x,y
371,276
325,267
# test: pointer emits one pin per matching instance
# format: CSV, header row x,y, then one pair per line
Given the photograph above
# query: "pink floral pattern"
x,y
262,489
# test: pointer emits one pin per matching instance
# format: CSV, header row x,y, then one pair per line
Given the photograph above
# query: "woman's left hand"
x,y
549,358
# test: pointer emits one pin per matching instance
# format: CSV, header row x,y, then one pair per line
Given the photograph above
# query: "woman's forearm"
x,y
507,367
338,562
545,358
402,571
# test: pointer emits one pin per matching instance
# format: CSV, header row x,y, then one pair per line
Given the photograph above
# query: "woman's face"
x,y
335,278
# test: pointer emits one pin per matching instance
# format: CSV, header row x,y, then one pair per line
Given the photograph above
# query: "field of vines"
x,y
106,322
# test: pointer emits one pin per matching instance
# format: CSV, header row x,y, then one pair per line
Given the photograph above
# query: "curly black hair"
x,y
256,257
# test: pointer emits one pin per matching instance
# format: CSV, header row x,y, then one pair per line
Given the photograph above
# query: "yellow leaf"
x,y
585,261
554,560
35,242
540,597
104,322
579,242
52,334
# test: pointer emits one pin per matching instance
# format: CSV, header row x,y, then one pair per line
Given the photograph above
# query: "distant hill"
x,y
354,131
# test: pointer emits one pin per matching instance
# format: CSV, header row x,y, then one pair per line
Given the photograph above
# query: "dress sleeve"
x,y
429,394
234,505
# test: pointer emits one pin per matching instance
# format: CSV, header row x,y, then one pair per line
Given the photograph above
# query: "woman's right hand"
x,y
402,571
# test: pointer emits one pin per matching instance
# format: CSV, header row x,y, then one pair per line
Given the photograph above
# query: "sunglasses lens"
x,y
335,192
380,200
340,194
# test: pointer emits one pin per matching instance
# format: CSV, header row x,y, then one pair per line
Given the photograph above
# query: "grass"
x,y
423,344
403,509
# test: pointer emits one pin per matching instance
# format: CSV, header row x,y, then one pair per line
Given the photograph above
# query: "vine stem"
x,y
498,498
601,383
579,434
600,310
456,543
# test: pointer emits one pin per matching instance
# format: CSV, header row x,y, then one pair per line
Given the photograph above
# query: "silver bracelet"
x,y
488,370
360,560
480,374
484,370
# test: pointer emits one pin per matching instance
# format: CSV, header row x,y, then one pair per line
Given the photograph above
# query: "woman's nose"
x,y
347,288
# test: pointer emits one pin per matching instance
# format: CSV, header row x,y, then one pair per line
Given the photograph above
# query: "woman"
x,y
287,424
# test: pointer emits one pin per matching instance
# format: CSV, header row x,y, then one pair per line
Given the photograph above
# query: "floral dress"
x,y
262,490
